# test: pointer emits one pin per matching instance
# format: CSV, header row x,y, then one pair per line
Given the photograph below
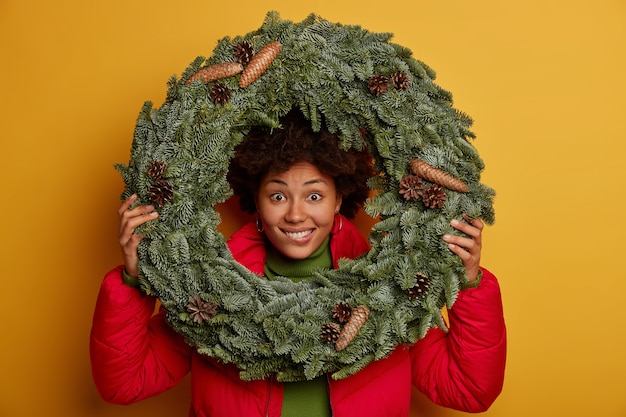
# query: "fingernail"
x,y
454,222
446,237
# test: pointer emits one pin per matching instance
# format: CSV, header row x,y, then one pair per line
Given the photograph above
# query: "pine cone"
x,y
434,196
216,72
400,80
358,318
160,192
411,187
377,84
201,310
243,52
419,290
342,312
156,169
220,94
259,63
330,332
436,175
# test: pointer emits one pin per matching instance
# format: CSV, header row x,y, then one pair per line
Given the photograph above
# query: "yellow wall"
x,y
544,80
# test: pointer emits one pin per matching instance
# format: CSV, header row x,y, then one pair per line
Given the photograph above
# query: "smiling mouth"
x,y
298,235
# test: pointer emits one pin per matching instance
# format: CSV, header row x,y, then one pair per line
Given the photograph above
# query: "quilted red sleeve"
x,y
134,354
464,368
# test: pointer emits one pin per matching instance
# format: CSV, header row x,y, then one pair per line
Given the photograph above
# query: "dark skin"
x,y
467,248
130,219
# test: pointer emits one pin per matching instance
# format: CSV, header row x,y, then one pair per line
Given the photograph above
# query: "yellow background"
x,y
543,79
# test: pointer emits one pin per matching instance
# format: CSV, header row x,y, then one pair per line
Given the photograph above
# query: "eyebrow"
x,y
309,182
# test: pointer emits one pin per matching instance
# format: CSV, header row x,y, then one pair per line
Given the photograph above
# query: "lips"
x,y
299,235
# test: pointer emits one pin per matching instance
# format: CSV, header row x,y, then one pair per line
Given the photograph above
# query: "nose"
x,y
296,212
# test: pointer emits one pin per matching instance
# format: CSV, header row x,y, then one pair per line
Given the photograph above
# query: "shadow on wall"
x,y
421,406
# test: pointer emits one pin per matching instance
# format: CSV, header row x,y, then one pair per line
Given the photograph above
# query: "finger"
x,y
137,212
129,214
473,229
126,204
133,219
131,245
467,244
126,209
467,218
460,252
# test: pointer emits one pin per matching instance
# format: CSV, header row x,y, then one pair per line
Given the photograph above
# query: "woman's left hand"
x,y
467,248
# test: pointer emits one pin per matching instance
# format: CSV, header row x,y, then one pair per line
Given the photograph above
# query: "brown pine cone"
x,y
358,318
400,80
341,312
216,72
259,63
419,290
436,175
201,310
156,169
220,94
160,193
243,52
377,84
411,187
330,332
434,196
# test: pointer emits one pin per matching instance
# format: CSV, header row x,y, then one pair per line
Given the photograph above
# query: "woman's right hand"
x,y
130,219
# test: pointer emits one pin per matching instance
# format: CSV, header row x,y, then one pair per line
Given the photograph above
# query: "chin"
x,y
298,255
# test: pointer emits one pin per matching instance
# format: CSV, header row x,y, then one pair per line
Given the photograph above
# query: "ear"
x,y
338,204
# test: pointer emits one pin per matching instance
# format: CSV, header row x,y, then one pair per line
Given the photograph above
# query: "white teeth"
x,y
298,235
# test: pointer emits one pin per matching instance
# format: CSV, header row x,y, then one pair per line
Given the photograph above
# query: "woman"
x,y
301,187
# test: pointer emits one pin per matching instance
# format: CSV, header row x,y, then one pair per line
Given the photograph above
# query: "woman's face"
x,y
297,208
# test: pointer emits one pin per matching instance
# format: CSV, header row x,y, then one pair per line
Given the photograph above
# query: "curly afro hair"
x,y
264,150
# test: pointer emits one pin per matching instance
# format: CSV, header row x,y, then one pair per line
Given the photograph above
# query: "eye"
x,y
277,197
315,197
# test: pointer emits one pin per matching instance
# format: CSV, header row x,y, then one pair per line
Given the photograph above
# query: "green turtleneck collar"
x,y
278,264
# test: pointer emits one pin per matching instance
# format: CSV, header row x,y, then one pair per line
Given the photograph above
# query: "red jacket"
x,y
135,354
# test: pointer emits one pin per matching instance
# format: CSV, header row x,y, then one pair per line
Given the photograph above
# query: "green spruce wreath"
x,y
371,93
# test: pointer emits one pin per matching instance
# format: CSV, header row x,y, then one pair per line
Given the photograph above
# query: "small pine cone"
x,y
216,72
160,193
259,63
220,94
201,310
400,80
419,290
156,169
330,332
411,187
436,175
243,52
377,84
434,196
342,312
358,318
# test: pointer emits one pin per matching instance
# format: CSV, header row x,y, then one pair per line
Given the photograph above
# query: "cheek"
x,y
326,216
266,213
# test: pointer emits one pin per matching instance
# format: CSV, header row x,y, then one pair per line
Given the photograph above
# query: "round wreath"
x,y
369,91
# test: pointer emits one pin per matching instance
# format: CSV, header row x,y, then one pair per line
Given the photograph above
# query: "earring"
x,y
340,217
259,223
